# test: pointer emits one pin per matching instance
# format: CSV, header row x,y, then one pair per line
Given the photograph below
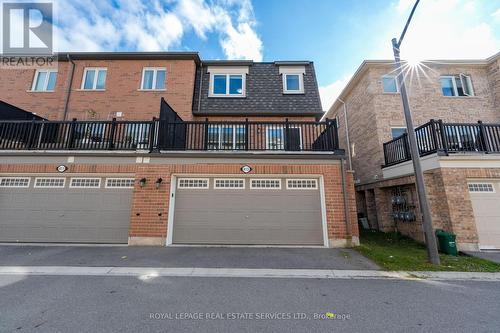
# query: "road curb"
x,y
151,272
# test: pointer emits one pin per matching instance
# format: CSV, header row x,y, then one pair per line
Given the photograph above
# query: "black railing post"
x,y
111,142
247,136
152,135
444,138
386,160
335,144
483,137
287,135
31,132
205,141
71,136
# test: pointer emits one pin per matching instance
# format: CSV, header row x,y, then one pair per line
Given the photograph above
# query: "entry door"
x,y
485,197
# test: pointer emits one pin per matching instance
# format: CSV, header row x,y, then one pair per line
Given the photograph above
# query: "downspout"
x,y
347,134
347,215
201,85
66,102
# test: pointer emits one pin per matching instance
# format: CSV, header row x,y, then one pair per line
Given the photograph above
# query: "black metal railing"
x,y
161,135
437,136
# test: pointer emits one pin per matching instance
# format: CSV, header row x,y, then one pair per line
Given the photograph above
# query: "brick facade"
x,y
149,211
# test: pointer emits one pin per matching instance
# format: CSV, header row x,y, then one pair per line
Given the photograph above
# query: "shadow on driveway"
x,y
206,257
491,255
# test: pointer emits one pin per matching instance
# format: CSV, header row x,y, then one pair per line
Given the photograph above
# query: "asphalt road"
x,y
161,304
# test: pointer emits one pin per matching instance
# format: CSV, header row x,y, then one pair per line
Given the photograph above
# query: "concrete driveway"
x,y
206,257
491,255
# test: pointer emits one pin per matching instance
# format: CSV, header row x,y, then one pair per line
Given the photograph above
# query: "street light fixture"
x,y
430,238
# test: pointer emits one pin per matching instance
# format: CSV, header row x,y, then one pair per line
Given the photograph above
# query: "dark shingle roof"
x,y
264,93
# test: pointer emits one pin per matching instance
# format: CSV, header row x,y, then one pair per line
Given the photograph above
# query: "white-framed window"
x,y
120,182
481,187
153,78
226,137
390,84
227,81
396,132
50,182
293,79
14,182
85,183
302,184
227,183
265,184
456,85
192,183
275,137
44,80
94,78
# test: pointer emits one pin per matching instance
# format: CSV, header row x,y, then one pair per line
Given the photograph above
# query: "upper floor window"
x,y
227,81
94,79
44,80
457,85
153,79
390,84
396,132
293,79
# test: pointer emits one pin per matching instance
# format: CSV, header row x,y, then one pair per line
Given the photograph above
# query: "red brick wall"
x,y
149,213
121,95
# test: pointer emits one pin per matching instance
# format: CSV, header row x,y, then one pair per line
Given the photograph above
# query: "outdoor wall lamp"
x,y
158,182
142,182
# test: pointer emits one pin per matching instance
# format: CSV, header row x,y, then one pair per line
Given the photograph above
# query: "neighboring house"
x,y
236,155
461,180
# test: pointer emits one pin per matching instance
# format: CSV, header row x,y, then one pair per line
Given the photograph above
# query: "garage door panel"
x,y
247,216
65,214
486,206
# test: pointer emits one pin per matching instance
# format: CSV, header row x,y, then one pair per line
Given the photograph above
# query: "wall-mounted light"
x,y
158,182
142,182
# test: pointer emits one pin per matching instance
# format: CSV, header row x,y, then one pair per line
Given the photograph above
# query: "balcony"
x,y
445,138
161,136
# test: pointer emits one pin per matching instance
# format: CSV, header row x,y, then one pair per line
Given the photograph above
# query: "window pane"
x,y
227,137
467,84
160,79
292,82
148,80
235,85
220,84
397,132
275,138
213,137
40,81
101,80
447,86
89,79
240,137
390,85
51,85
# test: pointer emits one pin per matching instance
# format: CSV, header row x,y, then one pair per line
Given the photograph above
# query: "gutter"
x,y
66,102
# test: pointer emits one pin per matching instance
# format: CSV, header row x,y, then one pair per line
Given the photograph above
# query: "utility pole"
x,y
430,237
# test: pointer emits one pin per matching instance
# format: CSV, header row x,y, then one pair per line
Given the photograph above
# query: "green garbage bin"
x,y
446,241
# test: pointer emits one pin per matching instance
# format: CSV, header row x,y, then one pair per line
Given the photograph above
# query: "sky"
x,y
336,34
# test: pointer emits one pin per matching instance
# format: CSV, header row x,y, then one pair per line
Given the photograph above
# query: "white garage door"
x,y
485,198
59,209
266,211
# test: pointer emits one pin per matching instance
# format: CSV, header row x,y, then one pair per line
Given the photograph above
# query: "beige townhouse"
x,y
456,106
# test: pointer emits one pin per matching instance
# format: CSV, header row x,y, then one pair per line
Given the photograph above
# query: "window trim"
x,y
193,187
302,188
453,78
252,187
46,83
73,186
301,83
38,186
228,78
481,183
106,185
395,78
155,71
229,188
27,185
94,84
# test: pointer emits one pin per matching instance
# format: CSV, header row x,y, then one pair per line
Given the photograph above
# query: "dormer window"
x,y
293,79
227,81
